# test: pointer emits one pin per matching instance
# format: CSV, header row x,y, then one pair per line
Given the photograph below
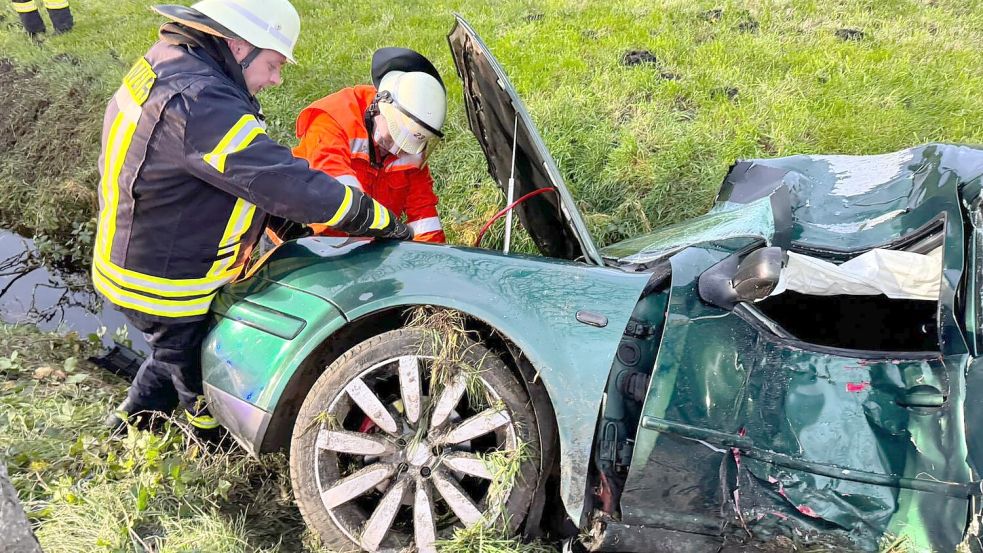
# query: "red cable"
x,y
500,214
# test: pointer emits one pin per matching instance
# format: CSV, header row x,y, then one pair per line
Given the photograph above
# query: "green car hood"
x,y
499,119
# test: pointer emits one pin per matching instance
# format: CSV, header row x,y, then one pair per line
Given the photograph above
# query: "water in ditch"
x,y
53,300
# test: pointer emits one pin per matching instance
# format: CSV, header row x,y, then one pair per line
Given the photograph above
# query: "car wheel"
x,y
399,443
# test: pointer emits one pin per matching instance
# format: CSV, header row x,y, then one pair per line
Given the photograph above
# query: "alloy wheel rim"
x,y
401,456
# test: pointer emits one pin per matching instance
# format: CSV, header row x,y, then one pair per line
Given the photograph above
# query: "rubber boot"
x,y
114,421
143,419
61,18
32,22
205,427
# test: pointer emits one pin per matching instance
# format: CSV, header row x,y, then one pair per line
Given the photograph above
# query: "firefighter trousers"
x,y
30,17
171,374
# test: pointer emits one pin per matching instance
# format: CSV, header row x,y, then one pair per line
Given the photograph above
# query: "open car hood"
x,y
493,109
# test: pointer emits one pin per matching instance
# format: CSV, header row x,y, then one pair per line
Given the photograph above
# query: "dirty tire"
x,y
420,458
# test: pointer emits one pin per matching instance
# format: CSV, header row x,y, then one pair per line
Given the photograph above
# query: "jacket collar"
x,y
211,50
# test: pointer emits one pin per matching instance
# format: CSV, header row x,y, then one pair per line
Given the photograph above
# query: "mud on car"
x,y
798,365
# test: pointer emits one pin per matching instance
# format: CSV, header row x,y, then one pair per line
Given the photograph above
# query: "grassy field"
x,y
141,492
641,146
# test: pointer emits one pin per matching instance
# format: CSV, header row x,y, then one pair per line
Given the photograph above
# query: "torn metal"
x,y
755,429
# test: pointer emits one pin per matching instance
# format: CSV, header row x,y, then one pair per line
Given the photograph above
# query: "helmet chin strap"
x,y
369,120
250,57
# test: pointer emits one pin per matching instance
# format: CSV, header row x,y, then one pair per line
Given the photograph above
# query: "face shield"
x,y
410,136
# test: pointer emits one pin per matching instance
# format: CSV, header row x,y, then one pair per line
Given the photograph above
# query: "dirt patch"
x,y
636,58
632,58
748,25
767,145
50,130
712,15
729,92
14,118
850,34
685,108
67,58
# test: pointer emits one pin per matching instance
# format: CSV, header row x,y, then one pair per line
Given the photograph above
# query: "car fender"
x,y
532,301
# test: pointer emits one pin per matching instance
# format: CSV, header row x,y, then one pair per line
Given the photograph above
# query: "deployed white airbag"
x,y
896,274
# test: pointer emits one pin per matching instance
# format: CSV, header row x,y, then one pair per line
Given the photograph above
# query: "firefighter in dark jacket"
x,y
189,178
58,10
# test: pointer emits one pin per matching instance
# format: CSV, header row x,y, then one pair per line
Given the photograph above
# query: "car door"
x,y
747,428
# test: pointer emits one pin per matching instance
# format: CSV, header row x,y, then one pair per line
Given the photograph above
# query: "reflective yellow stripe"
x,y
118,144
346,204
242,217
54,5
380,216
239,136
139,80
25,7
128,288
162,286
153,306
205,422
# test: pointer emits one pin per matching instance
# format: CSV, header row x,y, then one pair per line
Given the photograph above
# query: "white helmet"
x,y
414,105
266,24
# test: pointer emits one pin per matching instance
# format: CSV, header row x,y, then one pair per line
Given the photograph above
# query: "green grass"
x,y
163,492
640,146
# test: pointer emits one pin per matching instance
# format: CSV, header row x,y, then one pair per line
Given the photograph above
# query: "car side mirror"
x,y
757,274
736,280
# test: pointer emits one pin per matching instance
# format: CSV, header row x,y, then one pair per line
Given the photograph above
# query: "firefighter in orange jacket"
x,y
377,138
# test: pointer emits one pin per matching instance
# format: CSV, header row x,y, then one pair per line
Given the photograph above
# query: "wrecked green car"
x,y
798,366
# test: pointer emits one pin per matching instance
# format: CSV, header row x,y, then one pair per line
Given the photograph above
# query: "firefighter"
x,y
377,138
30,17
188,178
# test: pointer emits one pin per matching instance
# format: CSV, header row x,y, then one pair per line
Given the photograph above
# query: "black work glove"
x,y
367,217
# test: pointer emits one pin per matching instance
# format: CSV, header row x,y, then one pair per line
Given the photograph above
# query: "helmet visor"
x,y
408,135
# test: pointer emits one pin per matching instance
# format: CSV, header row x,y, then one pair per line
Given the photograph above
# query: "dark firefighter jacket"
x,y
188,176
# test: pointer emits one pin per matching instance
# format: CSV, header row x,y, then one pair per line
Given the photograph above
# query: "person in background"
x,y
378,138
30,17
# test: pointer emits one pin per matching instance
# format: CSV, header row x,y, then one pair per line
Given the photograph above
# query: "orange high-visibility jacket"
x,y
333,138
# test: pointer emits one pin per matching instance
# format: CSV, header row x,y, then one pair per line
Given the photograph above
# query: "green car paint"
x,y
789,434
744,432
532,301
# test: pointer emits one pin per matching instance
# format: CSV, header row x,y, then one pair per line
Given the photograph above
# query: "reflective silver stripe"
x,y
360,146
380,219
407,161
349,180
239,136
55,5
259,22
430,224
127,104
240,223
